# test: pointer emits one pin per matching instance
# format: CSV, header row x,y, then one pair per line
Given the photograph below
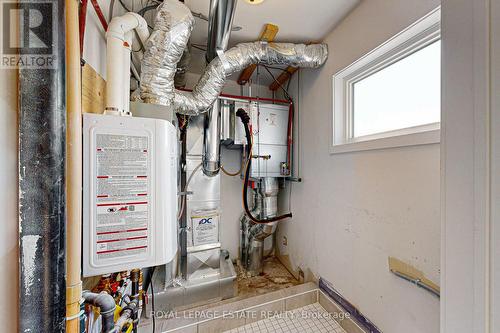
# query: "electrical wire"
x,y
147,8
232,174
153,299
184,194
111,8
298,124
287,95
199,47
124,6
141,12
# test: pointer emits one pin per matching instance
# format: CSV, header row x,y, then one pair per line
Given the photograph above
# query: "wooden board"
x,y
410,272
284,76
268,34
93,90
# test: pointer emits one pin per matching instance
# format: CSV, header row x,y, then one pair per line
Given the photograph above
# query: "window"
x,y
402,95
391,97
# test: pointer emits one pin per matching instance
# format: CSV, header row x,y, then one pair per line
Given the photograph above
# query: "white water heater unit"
x,y
130,193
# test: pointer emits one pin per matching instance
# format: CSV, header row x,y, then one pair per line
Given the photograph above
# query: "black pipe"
x,y
42,154
135,275
106,303
183,175
245,119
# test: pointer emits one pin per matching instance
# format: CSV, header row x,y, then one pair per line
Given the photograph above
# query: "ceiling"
x,y
298,20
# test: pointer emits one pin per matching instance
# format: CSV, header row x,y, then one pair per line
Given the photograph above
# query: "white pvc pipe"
x,y
119,39
126,69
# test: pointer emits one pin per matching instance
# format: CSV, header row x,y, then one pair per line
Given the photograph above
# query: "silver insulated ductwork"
x,y
236,59
173,25
164,49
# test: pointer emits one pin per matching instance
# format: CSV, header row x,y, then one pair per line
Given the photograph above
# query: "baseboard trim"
x,y
360,319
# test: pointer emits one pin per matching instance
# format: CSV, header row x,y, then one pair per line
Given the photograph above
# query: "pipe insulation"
x,y
42,190
173,25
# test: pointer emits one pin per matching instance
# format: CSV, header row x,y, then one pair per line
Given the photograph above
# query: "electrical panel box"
x,y
269,125
130,193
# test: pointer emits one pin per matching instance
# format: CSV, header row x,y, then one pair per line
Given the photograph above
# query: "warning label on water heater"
x,y
122,189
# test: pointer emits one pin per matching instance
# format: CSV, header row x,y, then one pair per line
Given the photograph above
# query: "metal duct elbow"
x,y
173,25
106,304
237,58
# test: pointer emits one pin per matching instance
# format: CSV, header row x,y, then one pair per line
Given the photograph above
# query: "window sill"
x,y
388,140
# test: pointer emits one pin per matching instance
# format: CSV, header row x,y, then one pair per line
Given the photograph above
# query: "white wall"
x,y
495,181
470,166
354,210
8,200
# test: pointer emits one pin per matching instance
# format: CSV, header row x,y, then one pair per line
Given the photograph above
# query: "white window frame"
x,y
419,35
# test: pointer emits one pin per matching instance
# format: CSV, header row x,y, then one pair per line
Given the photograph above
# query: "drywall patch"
x,y
30,246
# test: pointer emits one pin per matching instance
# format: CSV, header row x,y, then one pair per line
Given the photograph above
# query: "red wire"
x,y
82,18
100,15
290,137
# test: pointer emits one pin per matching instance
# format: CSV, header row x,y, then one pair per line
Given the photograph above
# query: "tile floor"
x,y
311,318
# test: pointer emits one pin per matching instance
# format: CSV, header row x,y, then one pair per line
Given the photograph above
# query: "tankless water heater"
x,y
130,193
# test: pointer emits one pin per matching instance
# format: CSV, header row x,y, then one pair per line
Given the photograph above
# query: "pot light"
x,y
254,2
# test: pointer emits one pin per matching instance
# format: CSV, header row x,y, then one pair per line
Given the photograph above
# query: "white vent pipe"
x,y
120,38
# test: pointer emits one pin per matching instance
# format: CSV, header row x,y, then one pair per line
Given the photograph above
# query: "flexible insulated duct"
x,y
164,48
239,57
173,25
